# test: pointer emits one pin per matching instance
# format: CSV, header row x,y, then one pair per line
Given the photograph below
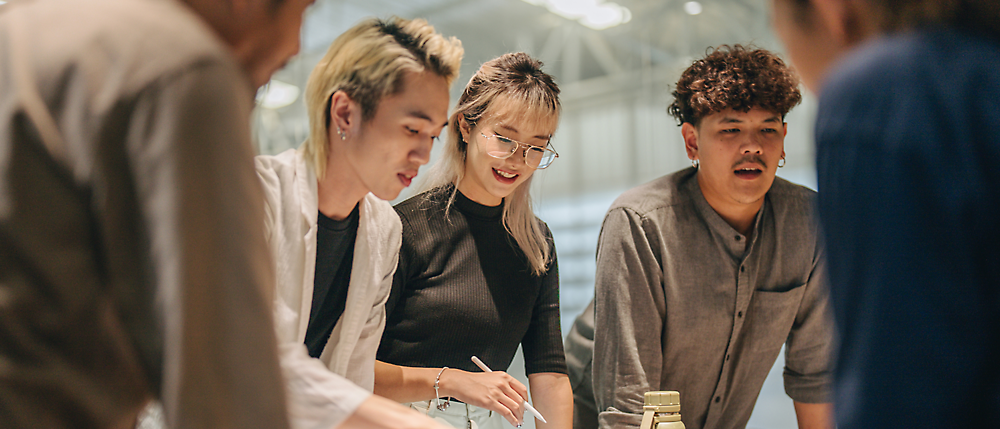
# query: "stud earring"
x,y
343,135
695,163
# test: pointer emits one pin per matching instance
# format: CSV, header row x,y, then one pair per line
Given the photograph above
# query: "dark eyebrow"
x,y
421,115
731,120
508,128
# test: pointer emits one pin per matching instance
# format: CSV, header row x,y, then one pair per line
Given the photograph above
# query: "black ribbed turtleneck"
x,y
463,287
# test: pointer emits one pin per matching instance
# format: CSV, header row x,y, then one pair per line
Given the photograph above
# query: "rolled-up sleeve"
x,y
809,345
318,398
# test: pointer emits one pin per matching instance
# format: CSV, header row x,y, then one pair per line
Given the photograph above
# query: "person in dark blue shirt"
x,y
908,160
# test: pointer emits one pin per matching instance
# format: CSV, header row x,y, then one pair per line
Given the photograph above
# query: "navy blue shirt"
x,y
908,161
334,256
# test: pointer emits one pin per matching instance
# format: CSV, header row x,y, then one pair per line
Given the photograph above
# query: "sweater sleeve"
x,y
542,344
401,274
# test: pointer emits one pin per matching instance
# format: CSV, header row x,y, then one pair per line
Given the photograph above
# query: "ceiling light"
x,y
692,8
277,94
596,14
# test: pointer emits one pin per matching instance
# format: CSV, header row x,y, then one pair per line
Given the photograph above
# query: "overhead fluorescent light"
x,y
277,94
596,14
692,8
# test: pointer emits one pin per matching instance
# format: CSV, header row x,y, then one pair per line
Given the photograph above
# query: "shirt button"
x,y
740,314
717,399
738,238
743,269
727,357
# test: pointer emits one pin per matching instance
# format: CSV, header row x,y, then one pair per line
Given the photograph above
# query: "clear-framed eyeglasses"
x,y
501,147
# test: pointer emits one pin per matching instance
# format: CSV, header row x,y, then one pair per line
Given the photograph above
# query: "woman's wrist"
x,y
446,381
437,391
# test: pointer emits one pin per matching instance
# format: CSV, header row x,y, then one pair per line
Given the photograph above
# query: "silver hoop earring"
x,y
695,163
343,135
781,163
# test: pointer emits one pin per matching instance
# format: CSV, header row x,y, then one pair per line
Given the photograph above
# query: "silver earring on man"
x,y
343,135
781,162
695,163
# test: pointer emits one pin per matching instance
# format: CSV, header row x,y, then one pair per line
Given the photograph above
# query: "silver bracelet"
x,y
437,399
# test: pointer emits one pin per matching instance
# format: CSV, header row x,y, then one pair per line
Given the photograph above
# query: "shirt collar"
x,y
734,242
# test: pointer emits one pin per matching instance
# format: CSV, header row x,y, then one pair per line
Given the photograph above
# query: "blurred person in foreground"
x,y
908,160
132,261
704,274
377,101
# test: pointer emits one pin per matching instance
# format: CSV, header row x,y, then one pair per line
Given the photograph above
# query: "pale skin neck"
x,y
740,216
341,189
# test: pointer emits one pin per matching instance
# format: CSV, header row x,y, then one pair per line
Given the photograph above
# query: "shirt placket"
x,y
744,289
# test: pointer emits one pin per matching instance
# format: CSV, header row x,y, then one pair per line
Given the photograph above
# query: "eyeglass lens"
x,y
501,147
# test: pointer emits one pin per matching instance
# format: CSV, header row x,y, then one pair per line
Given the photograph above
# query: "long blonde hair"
x,y
514,89
368,62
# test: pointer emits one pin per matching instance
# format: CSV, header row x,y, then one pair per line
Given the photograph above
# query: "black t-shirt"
x,y
463,287
334,256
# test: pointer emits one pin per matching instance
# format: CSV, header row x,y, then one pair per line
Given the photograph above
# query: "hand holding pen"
x,y
495,391
527,405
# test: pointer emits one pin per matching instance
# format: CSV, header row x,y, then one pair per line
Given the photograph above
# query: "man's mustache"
x,y
751,158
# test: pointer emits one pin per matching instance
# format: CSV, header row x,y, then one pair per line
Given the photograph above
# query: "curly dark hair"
x,y
735,77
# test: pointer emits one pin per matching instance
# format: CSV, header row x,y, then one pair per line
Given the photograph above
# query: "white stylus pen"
x,y
527,405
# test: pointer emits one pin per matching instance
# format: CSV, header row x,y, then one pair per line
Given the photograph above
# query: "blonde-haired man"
x,y
377,101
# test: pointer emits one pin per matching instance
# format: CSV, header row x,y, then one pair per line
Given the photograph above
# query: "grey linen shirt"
x,y
684,303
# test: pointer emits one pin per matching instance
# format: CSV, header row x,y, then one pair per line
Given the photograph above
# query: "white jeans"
x,y
462,416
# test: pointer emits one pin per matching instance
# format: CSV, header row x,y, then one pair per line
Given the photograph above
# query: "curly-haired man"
x,y
703,274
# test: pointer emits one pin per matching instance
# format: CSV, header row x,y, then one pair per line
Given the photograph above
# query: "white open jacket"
x,y
323,392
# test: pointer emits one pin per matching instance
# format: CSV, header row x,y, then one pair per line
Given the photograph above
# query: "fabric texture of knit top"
x,y
463,287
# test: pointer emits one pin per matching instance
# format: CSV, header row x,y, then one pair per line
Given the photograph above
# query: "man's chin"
x,y
387,194
749,196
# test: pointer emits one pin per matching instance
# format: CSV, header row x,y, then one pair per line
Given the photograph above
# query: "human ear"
x,y
690,134
344,114
464,127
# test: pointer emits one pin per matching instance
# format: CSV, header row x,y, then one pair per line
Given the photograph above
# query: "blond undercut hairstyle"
x,y
368,62
509,89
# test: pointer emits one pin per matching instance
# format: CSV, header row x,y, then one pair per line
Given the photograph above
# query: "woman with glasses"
x,y
477,272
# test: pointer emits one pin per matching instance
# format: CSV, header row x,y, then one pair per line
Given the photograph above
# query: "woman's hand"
x,y
496,391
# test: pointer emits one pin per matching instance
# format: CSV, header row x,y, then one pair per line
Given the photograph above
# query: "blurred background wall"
x,y
615,62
